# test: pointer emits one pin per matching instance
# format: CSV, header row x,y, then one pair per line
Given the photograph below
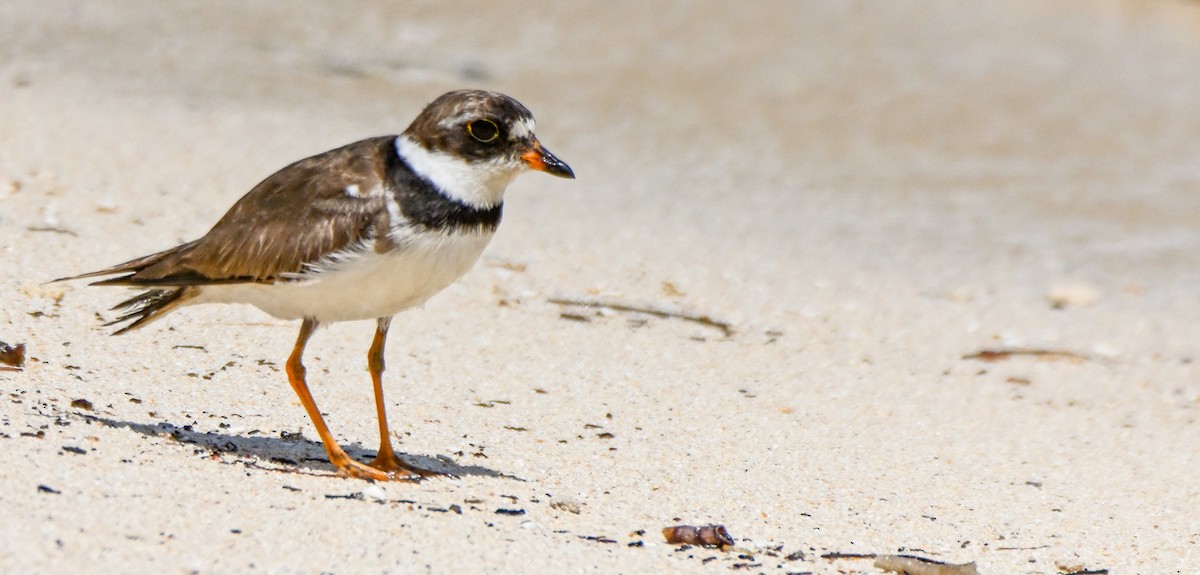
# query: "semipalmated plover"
x,y
360,232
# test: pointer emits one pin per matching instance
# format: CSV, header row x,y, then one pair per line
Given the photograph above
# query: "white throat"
x,y
479,185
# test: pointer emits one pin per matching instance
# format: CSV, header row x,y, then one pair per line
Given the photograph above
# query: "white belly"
x,y
366,285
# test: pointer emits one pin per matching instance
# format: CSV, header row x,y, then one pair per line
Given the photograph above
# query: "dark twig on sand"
x,y
706,320
835,555
991,355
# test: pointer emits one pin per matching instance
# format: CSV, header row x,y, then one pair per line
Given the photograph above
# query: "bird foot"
x,y
356,470
392,464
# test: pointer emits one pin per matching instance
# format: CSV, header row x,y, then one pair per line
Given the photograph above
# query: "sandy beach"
x,y
848,278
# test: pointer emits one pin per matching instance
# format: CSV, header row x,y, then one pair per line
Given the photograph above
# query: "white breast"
x,y
363,284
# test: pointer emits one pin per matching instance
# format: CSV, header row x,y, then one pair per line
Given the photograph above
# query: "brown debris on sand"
x,y
706,536
12,356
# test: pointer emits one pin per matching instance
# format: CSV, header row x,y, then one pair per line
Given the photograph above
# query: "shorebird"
x,y
364,231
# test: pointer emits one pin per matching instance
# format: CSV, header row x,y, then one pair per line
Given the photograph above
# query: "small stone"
x,y
106,205
1072,294
568,505
374,493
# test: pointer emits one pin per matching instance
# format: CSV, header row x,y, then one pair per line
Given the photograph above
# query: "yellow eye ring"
x,y
483,130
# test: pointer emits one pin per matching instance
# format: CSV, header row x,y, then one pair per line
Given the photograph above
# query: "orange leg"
x,y
337,456
386,460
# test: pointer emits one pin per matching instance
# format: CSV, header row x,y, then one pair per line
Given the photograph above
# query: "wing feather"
x,y
296,217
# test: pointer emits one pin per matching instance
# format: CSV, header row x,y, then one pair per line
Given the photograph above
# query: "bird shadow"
x,y
287,453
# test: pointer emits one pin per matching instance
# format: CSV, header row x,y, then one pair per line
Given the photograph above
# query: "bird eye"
x,y
484,130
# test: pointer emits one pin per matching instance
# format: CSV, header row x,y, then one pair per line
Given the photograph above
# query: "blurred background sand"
x,y
869,192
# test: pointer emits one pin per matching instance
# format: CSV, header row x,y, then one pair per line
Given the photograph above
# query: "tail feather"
x,y
149,306
130,267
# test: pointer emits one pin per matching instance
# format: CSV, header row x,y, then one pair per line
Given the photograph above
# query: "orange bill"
x,y
540,159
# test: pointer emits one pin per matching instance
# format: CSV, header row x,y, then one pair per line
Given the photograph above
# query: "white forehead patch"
x,y
353,191
522,130
450,122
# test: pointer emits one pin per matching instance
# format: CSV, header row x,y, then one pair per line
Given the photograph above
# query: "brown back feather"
x,y
298,215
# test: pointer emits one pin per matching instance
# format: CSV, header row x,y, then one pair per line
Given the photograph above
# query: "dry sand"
x,y
870,192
